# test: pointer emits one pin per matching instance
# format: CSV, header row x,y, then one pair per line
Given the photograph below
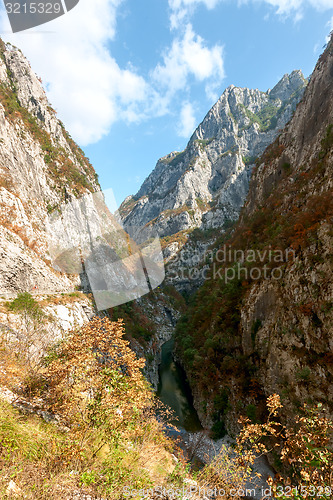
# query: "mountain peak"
x,y
288,84
212,173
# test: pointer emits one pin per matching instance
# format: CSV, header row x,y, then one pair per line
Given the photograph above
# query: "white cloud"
x,y
84,82
321,4
295,7
182,9
285,6
187,120
189,56
330,27
213,91
177,4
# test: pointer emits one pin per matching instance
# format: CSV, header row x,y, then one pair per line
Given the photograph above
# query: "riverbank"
x,y
174,391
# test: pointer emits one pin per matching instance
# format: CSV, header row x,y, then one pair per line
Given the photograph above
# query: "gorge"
x,y
257,335
256,180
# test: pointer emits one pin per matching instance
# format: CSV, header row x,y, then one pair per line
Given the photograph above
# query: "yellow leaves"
x,y
273,404
96,381
304,444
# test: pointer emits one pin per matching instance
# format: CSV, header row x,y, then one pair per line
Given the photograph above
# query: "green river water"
x,y
174,391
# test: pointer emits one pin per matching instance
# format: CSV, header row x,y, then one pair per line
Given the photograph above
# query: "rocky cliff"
x,y
40,169
263,321
206,184
56,233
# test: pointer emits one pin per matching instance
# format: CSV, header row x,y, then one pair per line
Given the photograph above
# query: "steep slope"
x,y
56,233
206,184
263,321
40,168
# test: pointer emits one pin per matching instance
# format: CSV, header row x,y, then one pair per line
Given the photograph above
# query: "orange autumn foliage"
x,y
95,380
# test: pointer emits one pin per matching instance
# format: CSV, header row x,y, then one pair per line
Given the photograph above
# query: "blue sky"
x,y
131,79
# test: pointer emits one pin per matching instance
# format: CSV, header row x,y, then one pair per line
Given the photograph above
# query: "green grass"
x,y
47,463
265,118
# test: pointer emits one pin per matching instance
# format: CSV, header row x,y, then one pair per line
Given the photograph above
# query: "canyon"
x,y
256,176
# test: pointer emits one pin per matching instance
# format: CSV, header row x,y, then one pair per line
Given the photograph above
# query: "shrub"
x,y
251,413
95,385
218,430
256,325
304,448
31,341
25,303
303,374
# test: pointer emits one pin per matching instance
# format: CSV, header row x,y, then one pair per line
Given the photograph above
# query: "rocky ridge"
x,y
52,216
41,168
262,334
206,184
294,338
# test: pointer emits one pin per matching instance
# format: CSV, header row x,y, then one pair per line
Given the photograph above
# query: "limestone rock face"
x,y
163,315
206,184
295,339
61,315
267,333
41,168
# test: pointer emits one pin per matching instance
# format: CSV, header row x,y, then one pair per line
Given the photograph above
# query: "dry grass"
x,y
63,299
49,461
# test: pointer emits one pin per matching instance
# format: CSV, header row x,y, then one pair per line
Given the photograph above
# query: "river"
x,y
174,391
